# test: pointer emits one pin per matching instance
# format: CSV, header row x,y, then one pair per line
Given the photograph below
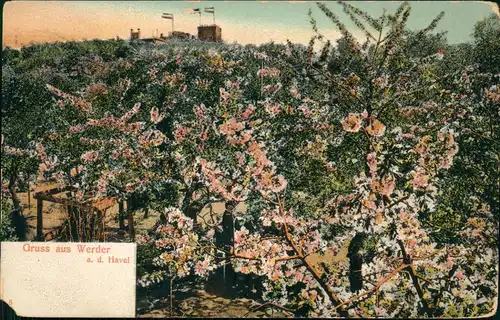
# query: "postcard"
x,y
267,159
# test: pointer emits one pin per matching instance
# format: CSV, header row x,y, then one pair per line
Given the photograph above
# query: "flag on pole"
x,y
168,16
190,10
212,11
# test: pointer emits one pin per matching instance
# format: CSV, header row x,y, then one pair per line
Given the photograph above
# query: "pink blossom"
x,y
402,136
199,111
235,85
440,54
90,156
101,186
131,112
248,112
295,92
201,267
196,196
261,56
279,184
43,167
388,184
97,88
352,123
79,195
128,153
142,239
41,151
299,276
266,222
305,110
75,129
372,162
13,151
369,204
224,95
231,126
259,155
449,262
240,235
129,187
210,233
181,132
459,274
445,163
271,89
79,103
330,167
157,138
423,145
181,272
420,179
375,128
272,108
155,116
269,72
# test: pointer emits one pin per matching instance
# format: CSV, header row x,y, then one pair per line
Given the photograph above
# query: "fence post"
x,y
29,197
39,219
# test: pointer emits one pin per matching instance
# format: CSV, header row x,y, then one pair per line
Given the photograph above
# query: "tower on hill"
x,y
211,33
135,35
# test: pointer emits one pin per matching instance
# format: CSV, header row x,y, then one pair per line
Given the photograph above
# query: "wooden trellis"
x,y
82,216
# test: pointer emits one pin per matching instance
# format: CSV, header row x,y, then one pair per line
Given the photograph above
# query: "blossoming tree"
x,y
319,154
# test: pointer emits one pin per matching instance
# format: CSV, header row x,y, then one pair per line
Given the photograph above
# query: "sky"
x,y
244,22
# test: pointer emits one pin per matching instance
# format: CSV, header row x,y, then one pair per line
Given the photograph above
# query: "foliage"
x,y
394,138
7,232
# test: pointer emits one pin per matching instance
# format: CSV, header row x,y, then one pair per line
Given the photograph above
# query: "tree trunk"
x,y
100,229
131,229
73,224
225,276
17,214
121,218
12,189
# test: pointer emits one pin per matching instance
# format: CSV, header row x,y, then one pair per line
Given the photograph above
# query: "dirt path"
x,y
53,215
202,305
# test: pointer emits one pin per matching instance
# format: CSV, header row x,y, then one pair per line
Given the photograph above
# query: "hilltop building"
x,y
135,35
180,35
211,33
155,40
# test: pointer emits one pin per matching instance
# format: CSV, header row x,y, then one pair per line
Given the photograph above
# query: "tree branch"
x,y
375,288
